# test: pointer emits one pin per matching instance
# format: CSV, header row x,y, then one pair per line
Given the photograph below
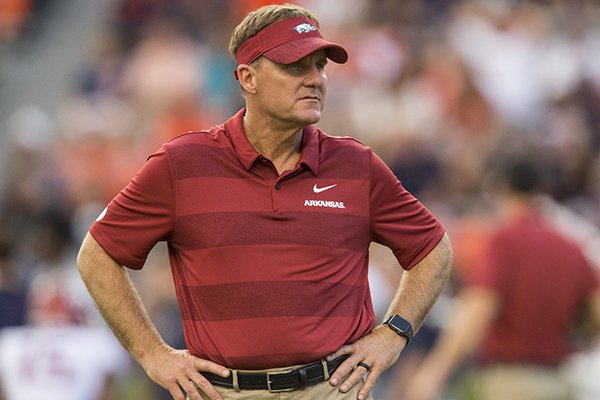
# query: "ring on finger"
x,y
364,365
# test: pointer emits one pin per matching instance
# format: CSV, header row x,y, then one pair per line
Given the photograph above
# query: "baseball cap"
x,y
288,41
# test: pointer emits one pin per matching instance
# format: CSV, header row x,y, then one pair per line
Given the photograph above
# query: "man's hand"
x,y
379,350
175,370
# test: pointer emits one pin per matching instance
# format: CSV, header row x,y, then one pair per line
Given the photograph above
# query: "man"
x,y
268,222
519,308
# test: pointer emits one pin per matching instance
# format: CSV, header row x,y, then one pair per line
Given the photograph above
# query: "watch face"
x,y
401,326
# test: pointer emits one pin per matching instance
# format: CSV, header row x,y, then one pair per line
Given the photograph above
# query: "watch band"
x,y
401,326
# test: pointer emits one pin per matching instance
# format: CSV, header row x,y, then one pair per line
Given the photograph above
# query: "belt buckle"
x,y
270,389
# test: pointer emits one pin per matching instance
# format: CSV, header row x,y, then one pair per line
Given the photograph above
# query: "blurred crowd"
x,y
440,89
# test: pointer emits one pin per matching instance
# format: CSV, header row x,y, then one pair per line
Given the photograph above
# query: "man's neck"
x,y
278,143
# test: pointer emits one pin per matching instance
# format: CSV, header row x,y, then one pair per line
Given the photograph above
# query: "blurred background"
x,y
440,89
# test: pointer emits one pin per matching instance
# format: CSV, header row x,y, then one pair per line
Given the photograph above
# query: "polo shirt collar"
x,y
309,155
247,154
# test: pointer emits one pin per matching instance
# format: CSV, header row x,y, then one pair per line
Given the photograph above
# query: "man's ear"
x,y
247,77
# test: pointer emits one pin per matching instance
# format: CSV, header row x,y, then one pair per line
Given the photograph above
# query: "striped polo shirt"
x,y
270,270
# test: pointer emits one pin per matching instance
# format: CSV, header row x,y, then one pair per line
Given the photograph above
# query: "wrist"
x,y
148,353
400,326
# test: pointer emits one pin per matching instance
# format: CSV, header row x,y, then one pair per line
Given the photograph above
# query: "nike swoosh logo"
x,y
319,190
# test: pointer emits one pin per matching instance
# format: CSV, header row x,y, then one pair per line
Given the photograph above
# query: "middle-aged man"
x,y
268,221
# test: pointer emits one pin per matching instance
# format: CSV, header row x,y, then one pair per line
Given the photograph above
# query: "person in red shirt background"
x,y
517,310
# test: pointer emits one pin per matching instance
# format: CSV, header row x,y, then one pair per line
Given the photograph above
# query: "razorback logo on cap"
x,y
286,42
304,28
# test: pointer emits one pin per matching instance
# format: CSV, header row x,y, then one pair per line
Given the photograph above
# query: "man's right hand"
x,y
175,370
119,302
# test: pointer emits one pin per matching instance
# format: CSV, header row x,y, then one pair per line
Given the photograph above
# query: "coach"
x,y
268,222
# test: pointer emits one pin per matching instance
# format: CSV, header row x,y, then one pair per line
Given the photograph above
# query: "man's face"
x,y
293,93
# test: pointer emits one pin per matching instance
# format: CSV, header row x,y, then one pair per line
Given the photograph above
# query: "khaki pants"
x,y
518,382
320,391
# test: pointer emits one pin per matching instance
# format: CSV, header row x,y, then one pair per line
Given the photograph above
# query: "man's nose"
x,y
315,76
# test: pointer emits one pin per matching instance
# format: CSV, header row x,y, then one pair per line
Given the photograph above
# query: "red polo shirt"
x,y
269,270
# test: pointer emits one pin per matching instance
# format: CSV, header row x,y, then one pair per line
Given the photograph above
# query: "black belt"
x,y
278,381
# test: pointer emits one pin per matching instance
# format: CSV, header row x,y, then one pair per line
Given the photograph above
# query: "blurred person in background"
x,y
518,309
59,354
12,290
268,221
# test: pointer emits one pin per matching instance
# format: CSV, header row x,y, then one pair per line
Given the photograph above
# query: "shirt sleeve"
x,y
398,220
140,215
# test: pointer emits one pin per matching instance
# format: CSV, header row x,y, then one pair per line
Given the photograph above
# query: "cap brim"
x,y
293,51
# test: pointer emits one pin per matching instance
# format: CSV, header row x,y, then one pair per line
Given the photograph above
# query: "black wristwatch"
x,y
401,326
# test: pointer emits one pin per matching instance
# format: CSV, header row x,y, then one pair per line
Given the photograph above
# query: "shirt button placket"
x,y
275,196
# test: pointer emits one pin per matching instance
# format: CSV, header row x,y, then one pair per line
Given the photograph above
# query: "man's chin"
x,y
311,117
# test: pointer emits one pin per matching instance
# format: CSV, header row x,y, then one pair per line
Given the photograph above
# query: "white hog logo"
x,y
304,27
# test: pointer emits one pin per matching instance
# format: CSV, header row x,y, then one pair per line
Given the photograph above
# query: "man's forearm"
x,y
419,289
421,286
117,299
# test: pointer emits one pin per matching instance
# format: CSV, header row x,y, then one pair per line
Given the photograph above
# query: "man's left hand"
x,y
379,350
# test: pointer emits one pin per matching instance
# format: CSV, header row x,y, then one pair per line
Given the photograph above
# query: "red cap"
x,y
288,41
